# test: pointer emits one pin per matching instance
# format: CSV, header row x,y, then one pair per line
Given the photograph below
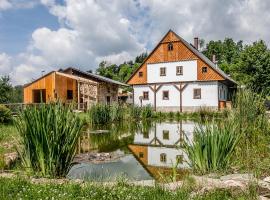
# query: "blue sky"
x,y
17,26
37,35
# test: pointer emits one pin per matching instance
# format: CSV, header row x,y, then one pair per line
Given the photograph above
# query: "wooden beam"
x,y
182,88
78,86
185,85
176,87
158,88
153,89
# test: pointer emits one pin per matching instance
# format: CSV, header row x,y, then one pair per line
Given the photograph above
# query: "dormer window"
x,y
162,71
170,46
204,69
140,74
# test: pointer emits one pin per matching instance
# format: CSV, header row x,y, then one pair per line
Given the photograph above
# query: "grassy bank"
x,y
23,189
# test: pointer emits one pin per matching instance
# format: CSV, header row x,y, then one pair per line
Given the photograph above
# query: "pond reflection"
x,y
137,150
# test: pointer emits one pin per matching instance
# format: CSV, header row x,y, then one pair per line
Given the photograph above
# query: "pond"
x,y
143,150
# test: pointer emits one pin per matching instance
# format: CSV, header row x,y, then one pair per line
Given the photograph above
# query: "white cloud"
x,y
17,4
5,64
5,4
117,31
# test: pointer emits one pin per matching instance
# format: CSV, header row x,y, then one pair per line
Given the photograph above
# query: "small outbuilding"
x,y
72,85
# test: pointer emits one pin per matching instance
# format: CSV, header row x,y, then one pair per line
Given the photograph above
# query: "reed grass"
x,y
147,112
49,136
212,147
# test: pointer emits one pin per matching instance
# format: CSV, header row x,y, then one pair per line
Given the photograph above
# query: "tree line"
x,y
248,64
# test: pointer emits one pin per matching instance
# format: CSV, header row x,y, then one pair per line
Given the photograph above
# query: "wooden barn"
x,y
72,85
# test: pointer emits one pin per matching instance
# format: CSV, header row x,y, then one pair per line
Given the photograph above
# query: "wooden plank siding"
x,y
180,52
56,86
44,83
62,84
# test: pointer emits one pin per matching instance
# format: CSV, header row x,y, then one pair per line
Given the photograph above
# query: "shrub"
x,y
212,147
49,136
5,114
147,112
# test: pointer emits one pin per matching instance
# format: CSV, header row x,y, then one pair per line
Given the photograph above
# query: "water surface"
x,y
142,150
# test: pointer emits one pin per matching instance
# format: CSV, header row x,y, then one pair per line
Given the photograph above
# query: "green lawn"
x,y
23,189
8,137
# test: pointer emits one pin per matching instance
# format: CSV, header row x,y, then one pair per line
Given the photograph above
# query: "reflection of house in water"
x,y
160,148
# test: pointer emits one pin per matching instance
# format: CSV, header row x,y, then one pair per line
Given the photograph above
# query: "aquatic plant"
x,y
135,112
117,112
99,113
249,113
251,119
212,147
147,112
49,136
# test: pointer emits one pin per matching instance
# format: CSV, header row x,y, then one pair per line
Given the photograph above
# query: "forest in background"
x,y
248,64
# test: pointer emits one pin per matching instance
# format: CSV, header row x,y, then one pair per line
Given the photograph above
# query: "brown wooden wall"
x,y
62,84
43,83
53,84
179,52
136,149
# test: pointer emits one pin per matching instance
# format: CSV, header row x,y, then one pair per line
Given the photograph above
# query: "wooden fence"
x,y
18,107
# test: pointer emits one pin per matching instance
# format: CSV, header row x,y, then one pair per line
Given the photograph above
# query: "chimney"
x,y
196,43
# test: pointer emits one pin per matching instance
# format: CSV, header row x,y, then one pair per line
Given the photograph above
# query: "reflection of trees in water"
x,y
115,136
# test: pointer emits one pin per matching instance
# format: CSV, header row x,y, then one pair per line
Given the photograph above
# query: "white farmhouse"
x,y
177,77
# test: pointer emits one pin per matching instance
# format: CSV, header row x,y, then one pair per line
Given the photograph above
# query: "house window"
x,y
170,46
140,74
197,93
141,155
145,95
163,158
165,135
204,69
165,95
162,71
108,90
179,159
146,134
179,70
69,94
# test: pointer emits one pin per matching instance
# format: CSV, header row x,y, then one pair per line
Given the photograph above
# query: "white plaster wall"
x,y
171,153
189,72
209,94
138,91
140,139
174,96
223,91
174,133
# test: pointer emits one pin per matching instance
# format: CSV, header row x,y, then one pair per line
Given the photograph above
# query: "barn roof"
x,y
76,75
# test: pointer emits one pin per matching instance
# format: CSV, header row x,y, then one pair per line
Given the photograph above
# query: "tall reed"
x,y
99,113
250,114
49,136
135,112
147,112
212,147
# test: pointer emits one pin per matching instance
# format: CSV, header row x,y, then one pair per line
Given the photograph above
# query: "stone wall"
x,y
107,90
